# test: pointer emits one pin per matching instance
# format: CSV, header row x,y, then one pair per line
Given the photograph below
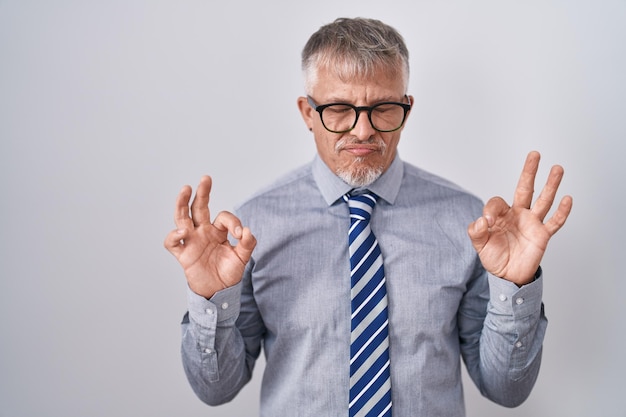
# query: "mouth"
x,y
360,150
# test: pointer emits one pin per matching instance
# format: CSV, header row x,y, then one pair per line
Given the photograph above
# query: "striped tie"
x,y
370,385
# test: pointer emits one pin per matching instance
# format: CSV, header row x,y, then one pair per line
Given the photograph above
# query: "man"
x,y
360,240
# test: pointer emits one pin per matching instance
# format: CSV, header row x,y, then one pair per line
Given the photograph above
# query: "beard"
x,y
359,176
359,173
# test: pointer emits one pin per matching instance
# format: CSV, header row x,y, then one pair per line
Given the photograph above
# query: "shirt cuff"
x,y
224,306
509,299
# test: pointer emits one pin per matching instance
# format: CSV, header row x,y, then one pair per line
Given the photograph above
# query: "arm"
x,y
221,342
503,352
218,358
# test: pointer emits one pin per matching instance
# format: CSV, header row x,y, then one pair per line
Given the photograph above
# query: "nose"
x,y
363,129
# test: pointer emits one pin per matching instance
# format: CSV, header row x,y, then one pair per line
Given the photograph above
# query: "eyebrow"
x,y
335,99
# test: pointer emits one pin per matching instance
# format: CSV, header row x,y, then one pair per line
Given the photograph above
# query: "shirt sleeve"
x,y
218,356
503,353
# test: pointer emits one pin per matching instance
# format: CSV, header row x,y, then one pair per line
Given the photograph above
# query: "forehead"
x,y
330,85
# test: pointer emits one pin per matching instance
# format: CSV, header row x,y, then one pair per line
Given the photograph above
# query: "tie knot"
x,y
361,205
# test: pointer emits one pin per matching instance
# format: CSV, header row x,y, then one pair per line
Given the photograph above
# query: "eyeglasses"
x,y
387,116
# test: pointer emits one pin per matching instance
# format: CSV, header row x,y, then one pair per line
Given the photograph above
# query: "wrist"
x,y
534,278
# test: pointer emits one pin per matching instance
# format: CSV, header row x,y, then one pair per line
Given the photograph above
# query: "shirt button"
x,y
224,306
502,297
518,344
209,311
519,301
208,351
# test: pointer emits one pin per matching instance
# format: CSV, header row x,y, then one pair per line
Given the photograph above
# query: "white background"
x,y
107,108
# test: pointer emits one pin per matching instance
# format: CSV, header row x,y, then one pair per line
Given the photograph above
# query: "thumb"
x,y
174,241
478,232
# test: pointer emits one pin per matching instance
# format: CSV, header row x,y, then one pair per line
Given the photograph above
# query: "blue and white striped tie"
x,y
370,384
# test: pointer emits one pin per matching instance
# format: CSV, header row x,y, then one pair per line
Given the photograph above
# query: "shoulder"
x,y
415,176
420,186
438,207
280,191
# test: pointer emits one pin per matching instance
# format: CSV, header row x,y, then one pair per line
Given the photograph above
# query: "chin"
x,y
361,176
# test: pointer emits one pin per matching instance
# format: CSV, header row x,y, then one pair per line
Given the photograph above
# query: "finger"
x,y
560,216
246,245
200,206
546,198
174,241
226,221
478,232
181,211
495,208
526,184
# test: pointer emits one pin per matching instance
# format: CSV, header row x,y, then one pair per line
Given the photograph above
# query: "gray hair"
x,y
355,49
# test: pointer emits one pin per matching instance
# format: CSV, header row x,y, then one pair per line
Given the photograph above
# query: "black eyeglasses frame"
x,y
358,109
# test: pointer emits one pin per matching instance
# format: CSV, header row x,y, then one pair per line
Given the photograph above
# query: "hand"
x,y
511,241
202,248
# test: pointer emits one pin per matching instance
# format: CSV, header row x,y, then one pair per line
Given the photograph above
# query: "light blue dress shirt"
x,y
294,302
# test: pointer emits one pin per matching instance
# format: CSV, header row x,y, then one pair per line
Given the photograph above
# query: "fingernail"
x,y
180,231
489,220
238,231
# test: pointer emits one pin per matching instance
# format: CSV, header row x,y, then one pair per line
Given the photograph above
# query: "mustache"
x,y
347,141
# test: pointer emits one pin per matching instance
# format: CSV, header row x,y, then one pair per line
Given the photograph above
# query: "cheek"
x,y
325,147
392,144
325,139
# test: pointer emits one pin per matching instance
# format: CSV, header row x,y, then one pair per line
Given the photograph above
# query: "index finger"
x,y
526,184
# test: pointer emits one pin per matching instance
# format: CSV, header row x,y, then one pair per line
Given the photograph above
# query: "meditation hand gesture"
x,y
511,240
202,248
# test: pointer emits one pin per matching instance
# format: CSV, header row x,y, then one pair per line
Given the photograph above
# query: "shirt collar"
x,y
333,188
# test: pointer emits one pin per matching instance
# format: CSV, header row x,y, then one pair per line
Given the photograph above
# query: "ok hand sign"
x,y
511,240
202,248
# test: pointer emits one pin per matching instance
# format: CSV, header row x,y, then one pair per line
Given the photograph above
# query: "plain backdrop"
x,y
108,107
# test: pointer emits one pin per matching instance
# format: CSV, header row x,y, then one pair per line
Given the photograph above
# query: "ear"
x,y
412,103
307,112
